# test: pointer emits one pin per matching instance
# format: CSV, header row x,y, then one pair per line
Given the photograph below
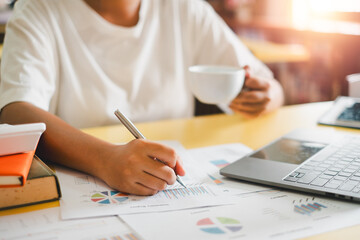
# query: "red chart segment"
x,y
205,221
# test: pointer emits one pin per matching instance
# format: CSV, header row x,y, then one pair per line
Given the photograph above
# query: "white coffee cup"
x,y
354,85
216,84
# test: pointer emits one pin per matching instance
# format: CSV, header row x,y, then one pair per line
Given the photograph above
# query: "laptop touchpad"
x,y
289,151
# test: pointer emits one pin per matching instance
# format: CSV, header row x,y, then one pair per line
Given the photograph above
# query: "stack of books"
x,y
24,178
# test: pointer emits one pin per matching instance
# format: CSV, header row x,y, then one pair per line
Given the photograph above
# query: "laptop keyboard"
x,y
339,171
351,113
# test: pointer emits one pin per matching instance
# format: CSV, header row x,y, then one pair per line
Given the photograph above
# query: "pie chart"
x,y
109,197
219,225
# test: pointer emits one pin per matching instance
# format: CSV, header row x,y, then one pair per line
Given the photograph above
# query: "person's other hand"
x,y
259,95
132,168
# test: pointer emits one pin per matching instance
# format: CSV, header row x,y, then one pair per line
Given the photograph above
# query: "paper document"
x,y
87,196
264,215
46,224
212,159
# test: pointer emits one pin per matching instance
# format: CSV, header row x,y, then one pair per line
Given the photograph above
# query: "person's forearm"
x,y
277,95
129,168
60,142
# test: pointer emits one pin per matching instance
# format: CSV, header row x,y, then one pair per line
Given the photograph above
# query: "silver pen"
x,y
137,134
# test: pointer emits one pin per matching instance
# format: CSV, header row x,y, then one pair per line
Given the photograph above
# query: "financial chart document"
x,y
87,196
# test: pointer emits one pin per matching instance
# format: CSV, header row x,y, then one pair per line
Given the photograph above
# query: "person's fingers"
x,y
159,170
140,189
179,168
131,185
254,83
130,179
161,152
253,102
254,110
163,161
153,182
247,71
249,115
252,97
141,167
248,108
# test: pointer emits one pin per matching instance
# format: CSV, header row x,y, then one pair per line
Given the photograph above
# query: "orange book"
x,y
14,169
42,185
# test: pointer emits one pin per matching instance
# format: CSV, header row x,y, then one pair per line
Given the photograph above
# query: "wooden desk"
x,y
269,52
220,129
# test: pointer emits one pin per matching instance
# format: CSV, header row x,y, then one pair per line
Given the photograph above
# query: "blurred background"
x,y
310,45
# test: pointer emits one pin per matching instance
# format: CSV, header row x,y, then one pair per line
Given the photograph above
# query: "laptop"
x,y
345,112
320,161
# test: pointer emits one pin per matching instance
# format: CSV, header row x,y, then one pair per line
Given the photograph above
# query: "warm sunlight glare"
x,y
301,13
305,11
334,5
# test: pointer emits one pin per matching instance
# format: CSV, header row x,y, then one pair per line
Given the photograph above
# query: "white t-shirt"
x,y
63,57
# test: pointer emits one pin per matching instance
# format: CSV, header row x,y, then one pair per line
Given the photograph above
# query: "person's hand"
x,y
259,95
131,168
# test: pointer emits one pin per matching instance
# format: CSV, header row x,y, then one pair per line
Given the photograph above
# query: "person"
x,y
70,64
232,11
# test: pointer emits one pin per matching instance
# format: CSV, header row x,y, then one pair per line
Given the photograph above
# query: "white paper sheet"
x,y
47,224
264,215
86,196
211,159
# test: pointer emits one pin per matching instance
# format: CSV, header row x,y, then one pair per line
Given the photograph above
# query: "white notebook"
x,y
20,138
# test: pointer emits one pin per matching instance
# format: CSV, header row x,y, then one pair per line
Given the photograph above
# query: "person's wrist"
x,y
102,160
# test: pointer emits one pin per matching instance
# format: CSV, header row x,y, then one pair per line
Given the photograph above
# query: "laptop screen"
x,y
351,113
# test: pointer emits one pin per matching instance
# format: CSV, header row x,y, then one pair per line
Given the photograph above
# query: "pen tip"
x,y
178,179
